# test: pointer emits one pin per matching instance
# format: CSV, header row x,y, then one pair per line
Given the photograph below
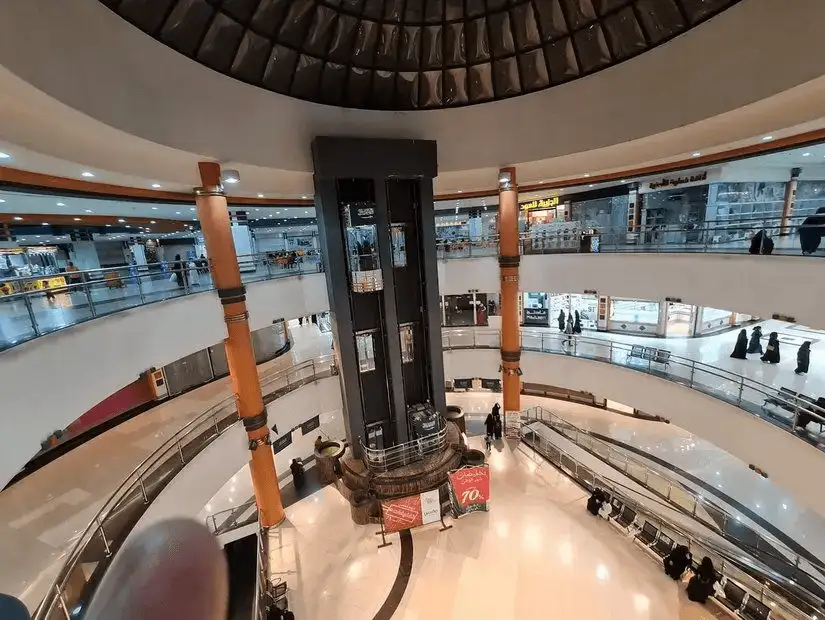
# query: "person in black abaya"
x,y
755,344
595,501
677,561
490,425
740,351
700,586
561,320
811,231
771,355
761,243
497,424
803,358
577,324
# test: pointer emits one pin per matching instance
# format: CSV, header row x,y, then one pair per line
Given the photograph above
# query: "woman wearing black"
x,y
577,324
561,320
700,586
772,350
740,351
490,425
811,231
755,345
677,561
179,269
803,358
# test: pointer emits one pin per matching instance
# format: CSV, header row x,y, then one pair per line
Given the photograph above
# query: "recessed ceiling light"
x,y
766,138
191,208
4,155
1,200
177,212
77,219
121,220
624,180
586,175
806,154
89,211
61,204
37,236
260,195
696,154
304,197
87,174
18,218
156,185
45,223
108,225
591,185
194,219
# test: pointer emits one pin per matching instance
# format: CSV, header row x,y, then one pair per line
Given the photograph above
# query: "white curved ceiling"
x,y
83,86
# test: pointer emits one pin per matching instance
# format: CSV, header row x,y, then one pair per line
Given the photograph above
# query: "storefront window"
x,y
365,343
399,246
465,310
602,213
634,311
407,350
586,305
679,320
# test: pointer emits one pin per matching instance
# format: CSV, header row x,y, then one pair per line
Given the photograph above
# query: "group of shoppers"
x,y
770,355
572,325
704,581
187,272
493,424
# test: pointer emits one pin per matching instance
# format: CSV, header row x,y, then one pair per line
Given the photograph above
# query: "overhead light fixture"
x,y
304,197
766,138
177,212
108,225
591,185
1,200
121,220
87,174
4,155
230,176
156,185
586,175
505,179
260,195
61,204
17,218
88,211
806,154
191,208
77,219
696,154
152,222
45,224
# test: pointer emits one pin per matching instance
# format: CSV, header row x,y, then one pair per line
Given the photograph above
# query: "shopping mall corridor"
x,y
38,534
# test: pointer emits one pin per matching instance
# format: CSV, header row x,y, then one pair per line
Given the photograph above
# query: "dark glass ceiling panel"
x,y
412,54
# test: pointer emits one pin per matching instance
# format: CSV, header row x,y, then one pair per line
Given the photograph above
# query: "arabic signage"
x,y
470,489
536,316
310,425
361,214
404,513
683,180
282,442
544,203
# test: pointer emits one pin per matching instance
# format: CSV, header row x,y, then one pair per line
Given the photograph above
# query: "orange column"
x,y
508,260
215,225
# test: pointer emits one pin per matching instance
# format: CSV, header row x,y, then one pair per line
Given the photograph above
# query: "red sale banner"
x,y
402,513
471,486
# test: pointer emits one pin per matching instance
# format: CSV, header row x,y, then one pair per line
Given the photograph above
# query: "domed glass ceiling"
x,y
412,54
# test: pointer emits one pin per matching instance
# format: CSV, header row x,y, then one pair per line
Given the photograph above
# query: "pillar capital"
x,y
507,179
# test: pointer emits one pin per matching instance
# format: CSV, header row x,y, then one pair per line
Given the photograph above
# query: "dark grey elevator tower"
x,y
374,204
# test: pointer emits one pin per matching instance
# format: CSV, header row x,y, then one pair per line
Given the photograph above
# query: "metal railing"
x,y
774,590
33,306
231,519
378,460
699,507
727,237
119,513
763,401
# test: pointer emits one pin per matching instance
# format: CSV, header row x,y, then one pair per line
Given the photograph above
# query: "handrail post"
x,y
61,602
692,371
180,452
88,295
103,537
143,491
268,267
741,389
140,288
28,303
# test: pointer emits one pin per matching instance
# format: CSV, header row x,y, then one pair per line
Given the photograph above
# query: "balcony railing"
x,y
37,305
113,522
761,400
378,460
726,237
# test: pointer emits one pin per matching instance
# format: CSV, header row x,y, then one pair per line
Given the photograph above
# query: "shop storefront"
x,y
39,262
635,316
712,320
467,310
570,303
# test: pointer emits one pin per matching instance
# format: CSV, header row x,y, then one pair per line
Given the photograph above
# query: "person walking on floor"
x,y
490,424
740,351
755,345
803,358
561,320
771,355
568,330
179,269
577,324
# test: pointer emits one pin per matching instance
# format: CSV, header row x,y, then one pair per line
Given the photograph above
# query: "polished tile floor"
x,y
536,554
44,513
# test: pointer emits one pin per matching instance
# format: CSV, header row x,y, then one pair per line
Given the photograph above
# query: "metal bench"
x,y
663,545
626,517
793,402
647,535
650,354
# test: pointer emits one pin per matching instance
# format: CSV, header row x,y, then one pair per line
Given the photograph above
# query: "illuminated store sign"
x,y
685,180
544,203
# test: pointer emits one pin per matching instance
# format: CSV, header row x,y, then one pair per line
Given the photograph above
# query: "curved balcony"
x,y
120,512
38,305
785,410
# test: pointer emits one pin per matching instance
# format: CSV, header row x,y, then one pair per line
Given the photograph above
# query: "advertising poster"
x,y
470,489
512,424
430,507
402,513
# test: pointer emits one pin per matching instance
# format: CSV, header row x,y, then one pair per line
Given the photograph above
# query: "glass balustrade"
x,y
785,410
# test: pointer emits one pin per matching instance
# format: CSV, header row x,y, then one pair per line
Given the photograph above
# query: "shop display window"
x,y
715,314
634,311
362,249
399,246
365,344
587,305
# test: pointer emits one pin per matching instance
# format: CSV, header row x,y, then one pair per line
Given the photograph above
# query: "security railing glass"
x,y
783,409
76,582
40,304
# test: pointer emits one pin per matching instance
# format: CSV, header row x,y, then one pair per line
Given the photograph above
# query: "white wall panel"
x,y
790,462
758,285
50,381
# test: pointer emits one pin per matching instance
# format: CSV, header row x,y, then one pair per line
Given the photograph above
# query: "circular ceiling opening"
x,y
412,54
